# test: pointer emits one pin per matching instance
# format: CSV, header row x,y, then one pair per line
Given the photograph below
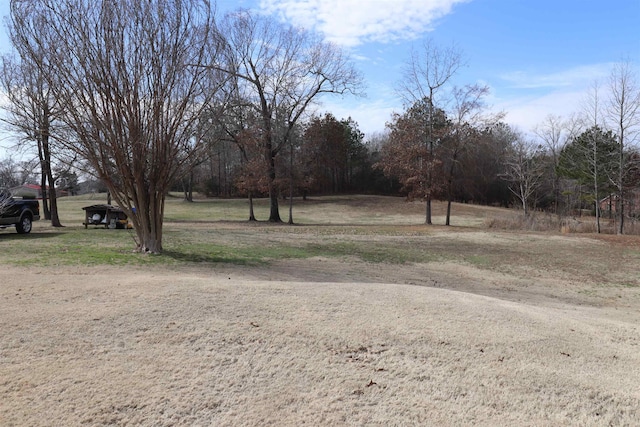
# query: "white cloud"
x,y
576,76
371,115
353,22
529,98
527,112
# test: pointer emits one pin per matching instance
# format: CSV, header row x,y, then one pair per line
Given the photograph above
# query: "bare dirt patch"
x,y
534,339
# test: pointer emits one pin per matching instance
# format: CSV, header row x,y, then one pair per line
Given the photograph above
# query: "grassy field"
x,y
217,231
370,229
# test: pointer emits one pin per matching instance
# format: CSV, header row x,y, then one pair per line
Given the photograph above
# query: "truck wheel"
x,y
24,226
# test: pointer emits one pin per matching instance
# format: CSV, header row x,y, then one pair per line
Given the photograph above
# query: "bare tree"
x,y
281,71
9,174
623,112
8,179
239,124
129,77
523,170
427,72
32,111
593,117
554,132
466,119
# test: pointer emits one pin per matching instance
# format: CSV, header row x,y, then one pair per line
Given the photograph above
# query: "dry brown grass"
x,y
489,327
553,223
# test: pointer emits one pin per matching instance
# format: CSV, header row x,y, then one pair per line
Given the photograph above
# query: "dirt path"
x,y
239,346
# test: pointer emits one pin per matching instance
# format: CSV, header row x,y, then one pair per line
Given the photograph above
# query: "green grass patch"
x,y
248,245
374,252
629,285
210,232
214,253
69,246
478,260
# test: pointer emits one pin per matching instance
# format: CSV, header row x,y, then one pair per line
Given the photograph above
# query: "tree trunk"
x,y
430,160
597,201
596,188
449,197
610,206
147,219
621,194
621,210
55,219
252,216
45,194
53,200
452,169
187,188
274,210
290,222
149,242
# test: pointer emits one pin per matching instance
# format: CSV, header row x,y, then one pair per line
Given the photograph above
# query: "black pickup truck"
x,y
18,212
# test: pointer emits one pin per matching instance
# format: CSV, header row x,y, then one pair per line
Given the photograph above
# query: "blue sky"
x,y
539,57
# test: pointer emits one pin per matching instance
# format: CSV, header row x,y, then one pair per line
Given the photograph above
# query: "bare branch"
x,y
121,71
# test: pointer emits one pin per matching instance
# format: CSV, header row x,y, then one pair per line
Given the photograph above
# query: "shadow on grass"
x,y
203,258
8,236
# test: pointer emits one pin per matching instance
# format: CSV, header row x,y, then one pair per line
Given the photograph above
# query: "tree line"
x,y
154,96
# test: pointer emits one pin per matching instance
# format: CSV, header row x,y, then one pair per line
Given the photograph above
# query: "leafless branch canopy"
x,y
429,68
281,71
126,75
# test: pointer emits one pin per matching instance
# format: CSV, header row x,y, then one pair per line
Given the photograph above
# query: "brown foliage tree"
x,y
409,156
252,175
426,73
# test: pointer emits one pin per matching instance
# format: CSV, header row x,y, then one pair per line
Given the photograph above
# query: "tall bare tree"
x,y
32,112
282,71
467,118
554,132
523,169
8,174
128,76
592,112
623,112
428,70
239,124
12,174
